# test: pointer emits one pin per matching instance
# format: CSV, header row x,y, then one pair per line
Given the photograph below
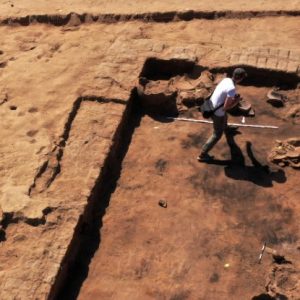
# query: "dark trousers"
x,y
219,126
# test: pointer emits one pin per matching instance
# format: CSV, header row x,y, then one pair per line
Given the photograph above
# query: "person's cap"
x,y
239,73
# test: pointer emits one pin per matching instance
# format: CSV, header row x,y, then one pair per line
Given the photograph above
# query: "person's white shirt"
x,y
223,90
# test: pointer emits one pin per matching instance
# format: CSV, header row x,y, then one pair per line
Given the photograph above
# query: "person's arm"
x,y
230,102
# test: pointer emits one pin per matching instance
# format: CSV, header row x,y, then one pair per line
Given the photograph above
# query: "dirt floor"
x,y
87,152
205,243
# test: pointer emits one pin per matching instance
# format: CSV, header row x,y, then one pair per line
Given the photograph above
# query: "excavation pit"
x,y
156,159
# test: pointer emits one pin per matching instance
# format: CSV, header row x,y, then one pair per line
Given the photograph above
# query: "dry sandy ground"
x,y
64,94
23,8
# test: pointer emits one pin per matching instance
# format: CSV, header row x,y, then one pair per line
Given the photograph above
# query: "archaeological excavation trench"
x,y
159,17
101,194
206,241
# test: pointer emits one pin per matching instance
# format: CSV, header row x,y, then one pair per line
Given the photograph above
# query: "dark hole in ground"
x,y
2,236
13,107
159,69
8,218
156,71
268,297
36,222
263,77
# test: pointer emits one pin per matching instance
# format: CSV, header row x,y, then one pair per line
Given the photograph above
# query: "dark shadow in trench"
x,y
237,169
268,297
2,236
87,236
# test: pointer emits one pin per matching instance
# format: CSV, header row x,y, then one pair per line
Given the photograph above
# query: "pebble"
x,y
163,203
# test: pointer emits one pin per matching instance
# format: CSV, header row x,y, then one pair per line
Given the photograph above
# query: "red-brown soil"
x,y
86,158
205,244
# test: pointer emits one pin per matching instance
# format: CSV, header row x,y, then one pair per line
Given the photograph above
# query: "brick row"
x,y
270,58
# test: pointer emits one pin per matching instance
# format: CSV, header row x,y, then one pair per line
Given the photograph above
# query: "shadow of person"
x,y
237,157
257,173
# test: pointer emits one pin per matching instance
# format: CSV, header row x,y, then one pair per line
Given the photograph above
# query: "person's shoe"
x,y
232,129
205,157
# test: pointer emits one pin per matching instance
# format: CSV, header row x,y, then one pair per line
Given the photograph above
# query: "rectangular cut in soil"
x,y
205,244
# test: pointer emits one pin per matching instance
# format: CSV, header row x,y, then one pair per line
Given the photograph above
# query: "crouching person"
x,y
224,93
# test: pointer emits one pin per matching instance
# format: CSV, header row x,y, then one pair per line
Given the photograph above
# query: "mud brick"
x,y
236,53
252,60
261,62
284,53
201,52
183,53
175,50
250,50
143,44
191,50
243,59
158,47
272,63
295,55
274,52
117,46
292,66
254,50
264,51
245,51
282,65
192,47
235,58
